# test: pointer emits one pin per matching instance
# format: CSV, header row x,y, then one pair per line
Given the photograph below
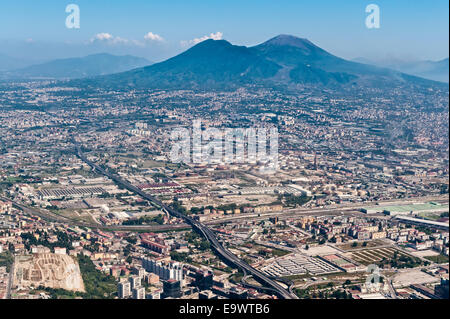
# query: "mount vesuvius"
x,y
284,61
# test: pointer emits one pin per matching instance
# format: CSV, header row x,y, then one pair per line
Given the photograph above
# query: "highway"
x,y
268,284
35,212
347,209
50,216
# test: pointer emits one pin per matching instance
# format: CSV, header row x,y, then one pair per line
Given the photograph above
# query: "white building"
x,y
60,250
135,282
124,290
139,293
164,271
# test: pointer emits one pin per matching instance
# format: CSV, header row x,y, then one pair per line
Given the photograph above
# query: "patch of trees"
x,y
145,220
293,200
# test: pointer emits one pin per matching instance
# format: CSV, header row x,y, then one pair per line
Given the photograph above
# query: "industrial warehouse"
x,y
47,194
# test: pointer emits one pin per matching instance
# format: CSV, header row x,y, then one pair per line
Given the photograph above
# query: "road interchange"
x,y
268,285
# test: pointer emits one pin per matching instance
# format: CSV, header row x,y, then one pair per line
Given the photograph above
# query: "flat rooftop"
x,y
419,207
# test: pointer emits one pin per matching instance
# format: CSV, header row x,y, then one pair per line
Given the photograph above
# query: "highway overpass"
x,y
225,254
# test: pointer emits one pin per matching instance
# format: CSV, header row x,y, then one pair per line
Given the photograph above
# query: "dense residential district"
x,y
357,208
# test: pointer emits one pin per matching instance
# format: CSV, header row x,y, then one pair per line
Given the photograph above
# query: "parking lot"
x,y
298,265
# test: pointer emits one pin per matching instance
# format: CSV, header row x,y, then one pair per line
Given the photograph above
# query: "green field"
x,y
438,259
386,256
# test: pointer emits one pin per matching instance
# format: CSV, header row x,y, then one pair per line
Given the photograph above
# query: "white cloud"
x,y
153,37
102,37
213,36
110,39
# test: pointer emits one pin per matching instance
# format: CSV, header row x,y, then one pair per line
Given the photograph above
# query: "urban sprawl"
x,y
356,209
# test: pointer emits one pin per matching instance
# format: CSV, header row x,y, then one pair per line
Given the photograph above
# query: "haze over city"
x,y
246,152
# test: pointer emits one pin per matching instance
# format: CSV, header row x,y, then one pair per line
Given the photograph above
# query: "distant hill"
x,y
432,70
10,63
285,61
74,68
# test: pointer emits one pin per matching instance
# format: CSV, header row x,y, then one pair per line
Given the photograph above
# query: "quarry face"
x,y
47,270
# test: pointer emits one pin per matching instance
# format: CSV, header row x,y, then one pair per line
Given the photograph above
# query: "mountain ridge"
x,y
80,67
283,60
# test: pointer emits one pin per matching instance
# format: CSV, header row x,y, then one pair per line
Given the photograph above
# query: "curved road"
x,y
48,215
269,284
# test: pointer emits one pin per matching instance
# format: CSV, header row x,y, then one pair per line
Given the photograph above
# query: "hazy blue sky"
x,y
409,29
